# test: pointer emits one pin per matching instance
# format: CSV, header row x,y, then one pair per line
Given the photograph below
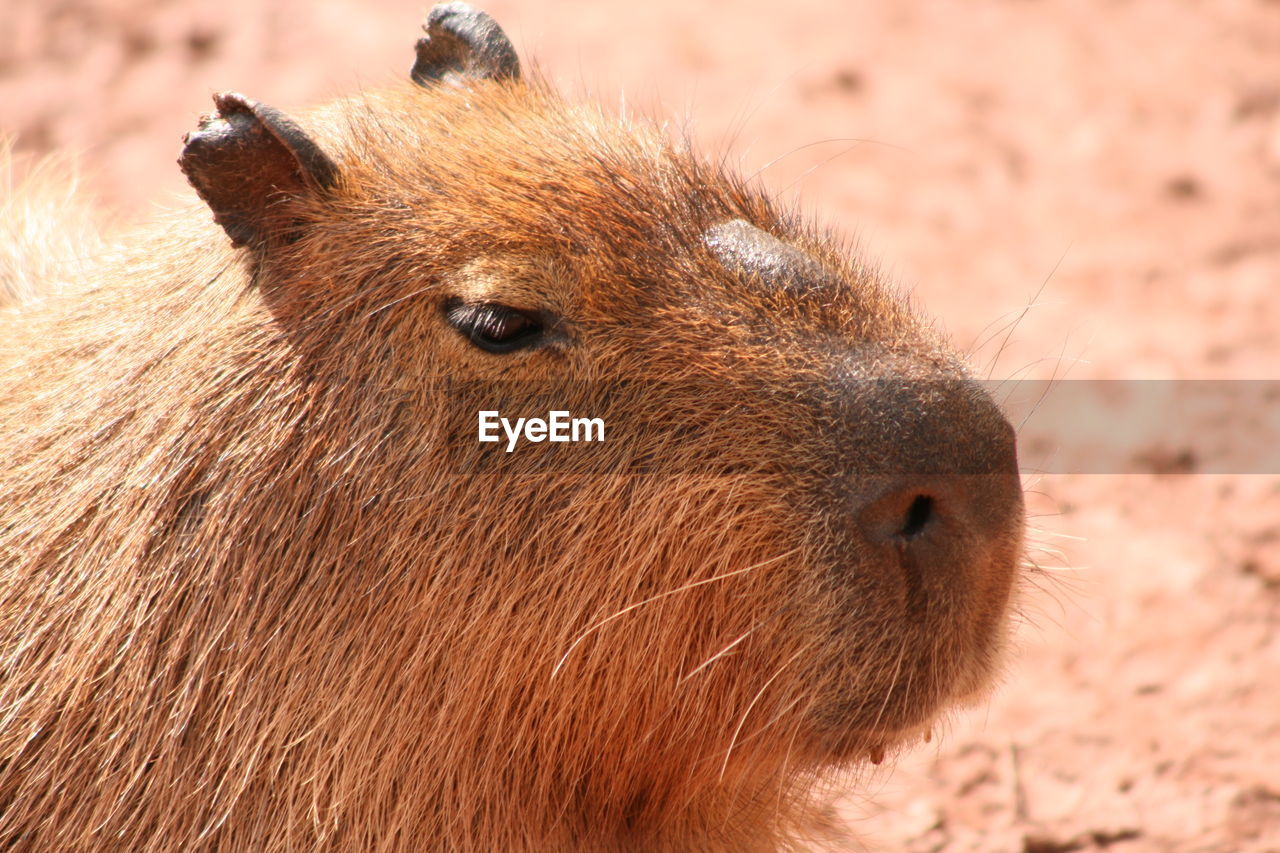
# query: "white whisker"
x,y
597,626
718,655
743,721
897,670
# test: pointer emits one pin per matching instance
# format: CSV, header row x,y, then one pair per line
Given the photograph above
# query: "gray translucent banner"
x,y
734,424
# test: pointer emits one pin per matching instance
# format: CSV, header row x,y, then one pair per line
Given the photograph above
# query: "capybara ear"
x,y
463,42
245,159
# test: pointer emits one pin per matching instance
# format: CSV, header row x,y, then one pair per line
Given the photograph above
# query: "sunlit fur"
x,y
252,597
46,231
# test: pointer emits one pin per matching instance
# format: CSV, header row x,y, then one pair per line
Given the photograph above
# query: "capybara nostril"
x,y
940,522
900,516
918,515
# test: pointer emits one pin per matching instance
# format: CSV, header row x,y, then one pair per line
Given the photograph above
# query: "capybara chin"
x,y
262,587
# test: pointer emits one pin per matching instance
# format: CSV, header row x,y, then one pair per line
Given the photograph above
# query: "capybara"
x,y
263,587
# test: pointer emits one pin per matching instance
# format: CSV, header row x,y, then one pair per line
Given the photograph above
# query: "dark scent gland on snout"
x,y
261,587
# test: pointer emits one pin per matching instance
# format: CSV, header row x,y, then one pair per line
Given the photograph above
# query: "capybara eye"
x,y
493,327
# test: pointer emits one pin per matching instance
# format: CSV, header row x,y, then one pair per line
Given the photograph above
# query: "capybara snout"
x,y
917,493
468,469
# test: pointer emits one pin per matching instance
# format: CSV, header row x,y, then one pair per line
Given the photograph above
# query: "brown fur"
x,y
251,597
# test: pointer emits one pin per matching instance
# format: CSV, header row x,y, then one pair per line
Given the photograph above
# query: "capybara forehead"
x,y
601,210
521,165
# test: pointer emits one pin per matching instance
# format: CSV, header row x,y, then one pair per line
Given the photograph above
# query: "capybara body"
x,y
262,588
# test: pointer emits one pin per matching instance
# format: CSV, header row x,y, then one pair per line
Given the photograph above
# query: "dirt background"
x,y
1106,174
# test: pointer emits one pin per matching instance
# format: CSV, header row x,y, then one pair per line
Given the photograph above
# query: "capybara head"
x,y
264,586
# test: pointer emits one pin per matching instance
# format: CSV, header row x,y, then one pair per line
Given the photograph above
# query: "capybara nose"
x,y
950,508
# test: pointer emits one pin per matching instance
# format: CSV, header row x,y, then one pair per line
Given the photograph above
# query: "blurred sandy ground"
x,y
1113,165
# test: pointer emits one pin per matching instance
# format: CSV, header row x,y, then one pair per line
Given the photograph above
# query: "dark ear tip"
x,y
228,103
211,125
463,41
439,12
243,157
